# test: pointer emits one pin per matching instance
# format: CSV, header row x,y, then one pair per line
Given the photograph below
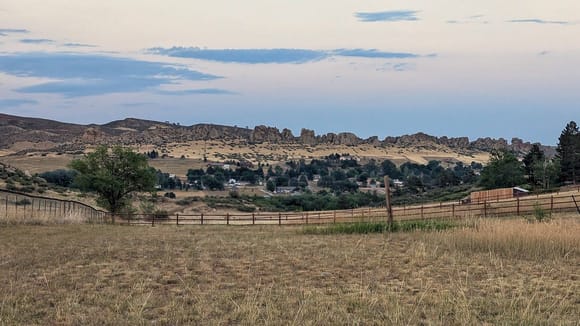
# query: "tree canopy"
x,y
503,171
114,174
569,153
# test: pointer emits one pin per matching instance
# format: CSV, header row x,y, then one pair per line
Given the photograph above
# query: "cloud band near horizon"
x,y
273,56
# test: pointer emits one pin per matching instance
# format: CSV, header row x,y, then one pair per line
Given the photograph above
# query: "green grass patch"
x,y
380,227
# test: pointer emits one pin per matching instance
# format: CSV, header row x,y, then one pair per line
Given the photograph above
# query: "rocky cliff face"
x,y
134,131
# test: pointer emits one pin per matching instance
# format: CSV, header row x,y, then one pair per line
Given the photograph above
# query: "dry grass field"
x,y
491,272
220,151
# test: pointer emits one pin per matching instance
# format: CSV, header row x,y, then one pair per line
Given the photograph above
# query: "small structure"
x,y
398,184
497,194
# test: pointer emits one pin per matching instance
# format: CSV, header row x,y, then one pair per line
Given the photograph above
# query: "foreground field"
x,y
496,272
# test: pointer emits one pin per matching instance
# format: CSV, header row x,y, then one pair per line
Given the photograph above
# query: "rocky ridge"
x,y
66,136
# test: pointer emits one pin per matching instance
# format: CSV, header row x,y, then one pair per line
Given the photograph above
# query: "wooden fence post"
x,y
422,214
228,218
388,201
279,218
334,218
177,216
453,210
484,208
518,206
153,220
551,204
253,219
201,218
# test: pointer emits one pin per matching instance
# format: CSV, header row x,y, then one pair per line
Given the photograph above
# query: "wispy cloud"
x,y
372,53
278,56
12,102
387,16
36,41
539,21
202,91
13,31
473,19
250,56
83,74
79,45
403,66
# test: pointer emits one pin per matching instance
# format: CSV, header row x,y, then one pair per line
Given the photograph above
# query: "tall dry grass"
x,y
44,219
518,238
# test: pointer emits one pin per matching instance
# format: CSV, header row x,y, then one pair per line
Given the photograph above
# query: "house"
x,y
497,194
285,190
398,184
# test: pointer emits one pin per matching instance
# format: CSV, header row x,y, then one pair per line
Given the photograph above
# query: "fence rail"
x,y
17,205
451,210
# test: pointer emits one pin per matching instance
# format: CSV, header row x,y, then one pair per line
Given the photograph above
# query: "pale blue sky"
x,y
384,68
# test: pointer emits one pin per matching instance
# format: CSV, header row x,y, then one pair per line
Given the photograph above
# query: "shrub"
x,y
539,213
170,195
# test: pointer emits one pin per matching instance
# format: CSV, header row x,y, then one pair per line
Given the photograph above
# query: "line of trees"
x,y
536,170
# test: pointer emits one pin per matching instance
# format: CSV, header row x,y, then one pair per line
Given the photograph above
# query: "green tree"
x,y
271,186
503,171
532,162
114,174
569,153
546,173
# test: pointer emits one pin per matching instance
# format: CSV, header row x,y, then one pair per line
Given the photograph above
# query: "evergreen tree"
x,y
534,159
569,154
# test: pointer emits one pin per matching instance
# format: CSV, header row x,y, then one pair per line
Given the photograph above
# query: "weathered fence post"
x,y
518,206
177,219
453,210
253,219
551,204
228,218
422,213
279,218
153,220
388,201
485,208
334,218
201,218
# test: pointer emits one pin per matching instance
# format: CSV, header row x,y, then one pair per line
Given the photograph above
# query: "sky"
x,y
451,68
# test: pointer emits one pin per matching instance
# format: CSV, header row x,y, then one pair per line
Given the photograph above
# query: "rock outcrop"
x,y
135,131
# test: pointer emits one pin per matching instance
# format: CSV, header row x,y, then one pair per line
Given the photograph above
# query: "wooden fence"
x,y
547,204
17,205
21,207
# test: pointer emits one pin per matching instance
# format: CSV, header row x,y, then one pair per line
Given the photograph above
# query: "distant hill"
x,y
22,134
